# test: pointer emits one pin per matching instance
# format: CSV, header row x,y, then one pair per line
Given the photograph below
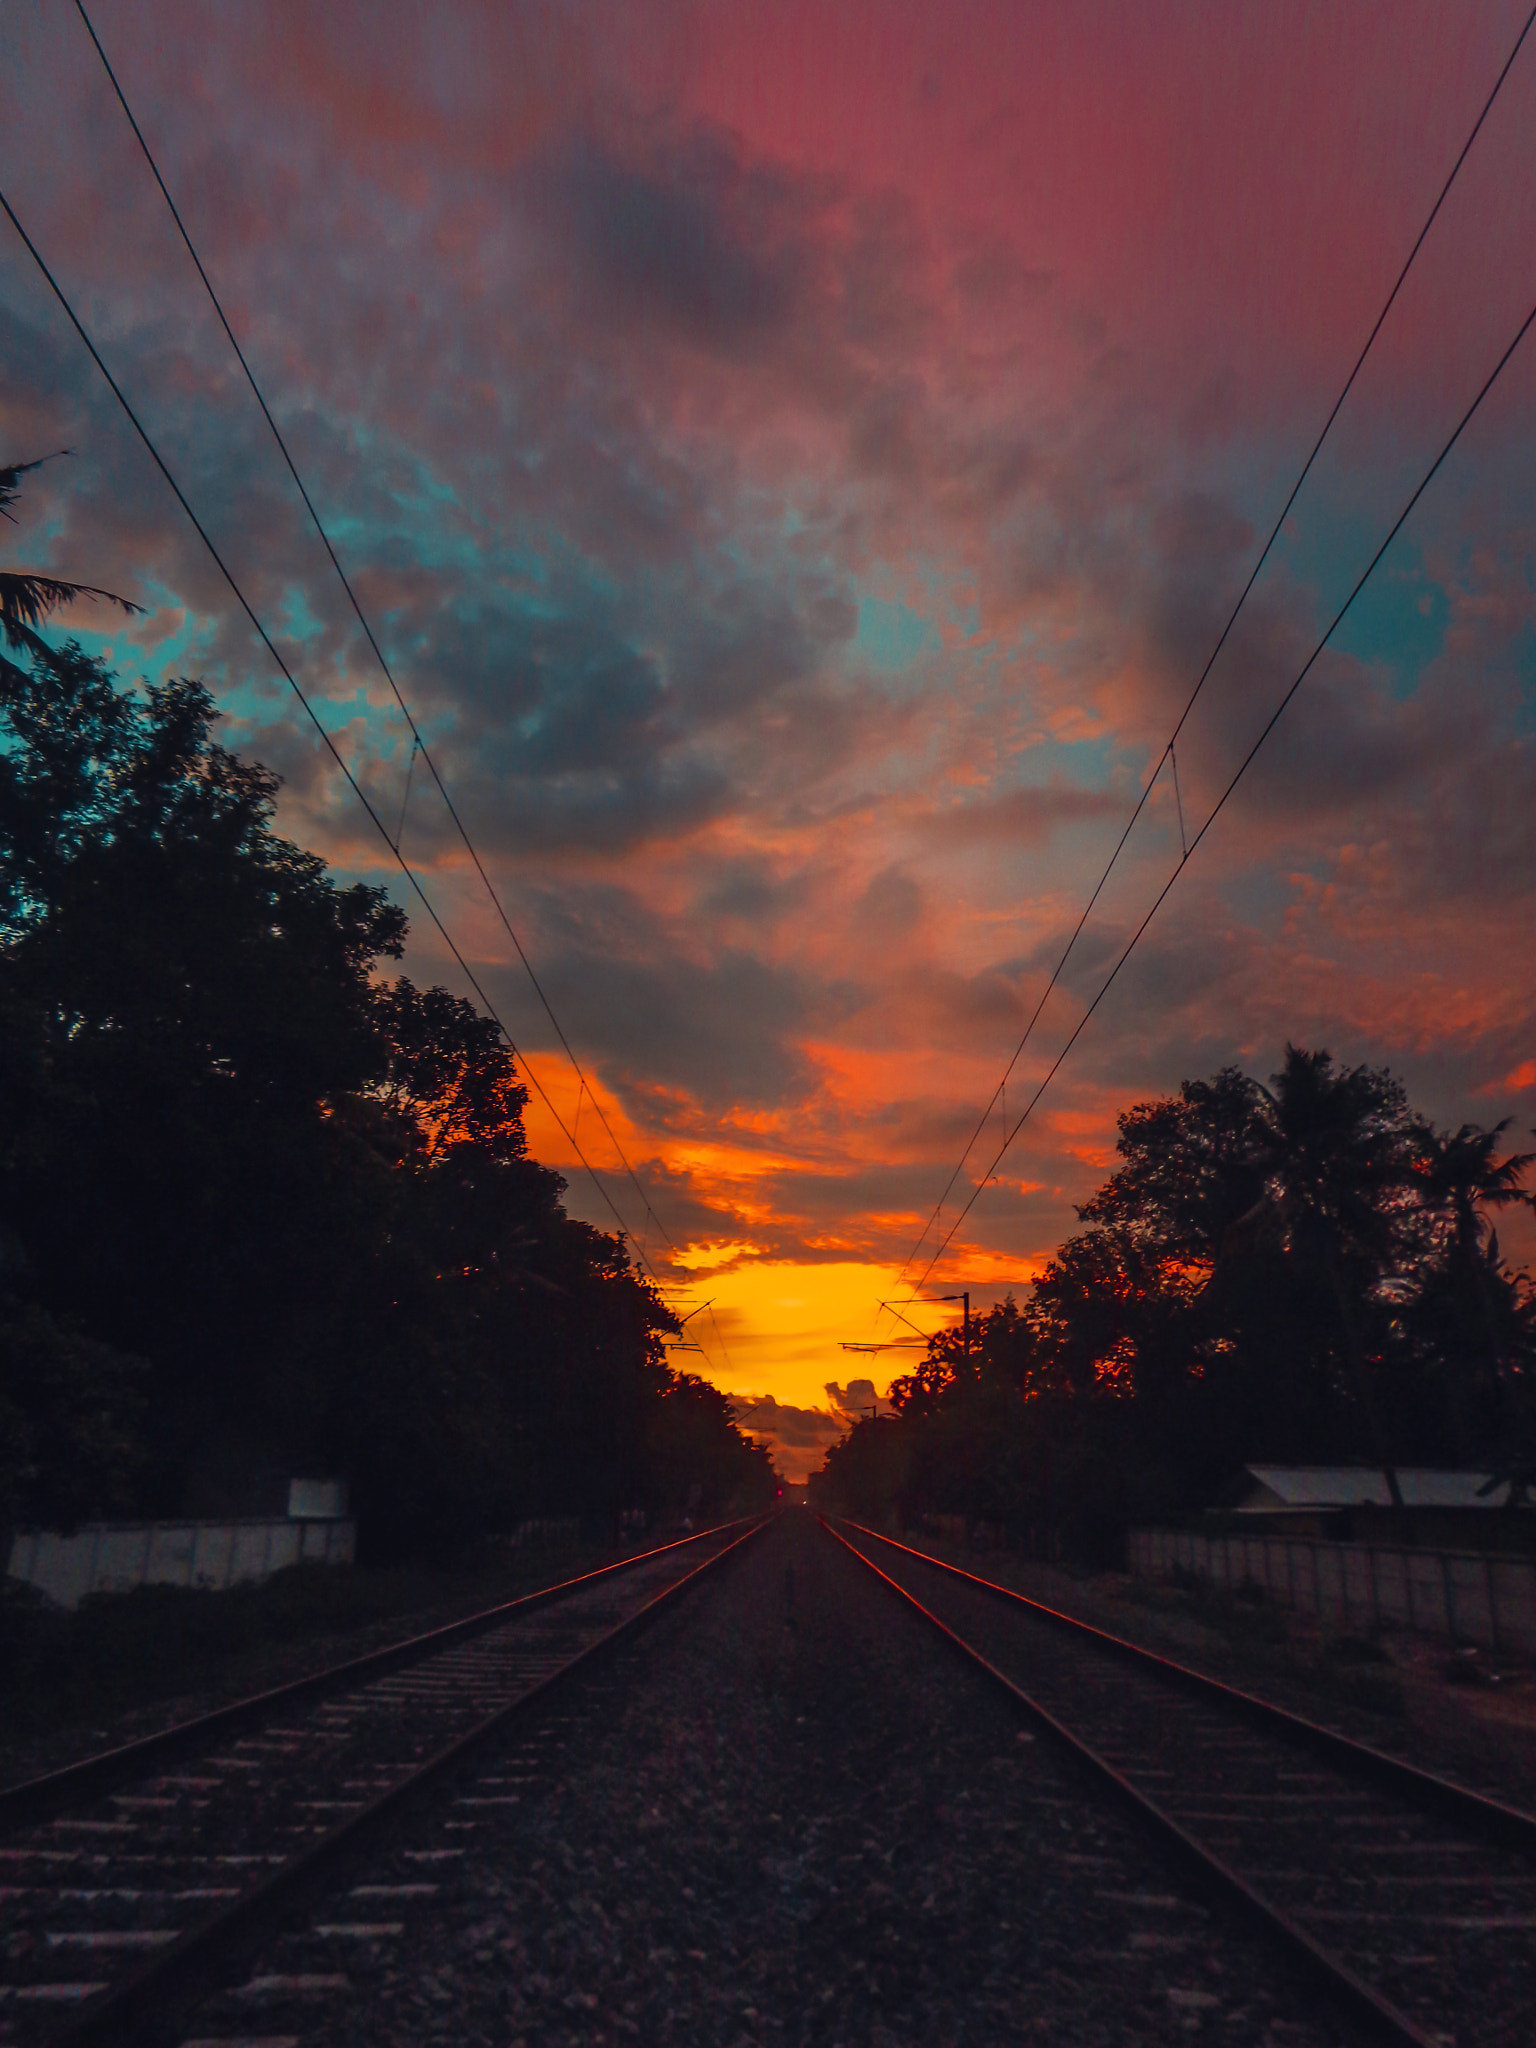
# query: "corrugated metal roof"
x,y
1277,1487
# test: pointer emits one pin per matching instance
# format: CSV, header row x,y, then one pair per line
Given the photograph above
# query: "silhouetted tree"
x,y
256,1205
1470,1320
71,1416
1302,1271
186,995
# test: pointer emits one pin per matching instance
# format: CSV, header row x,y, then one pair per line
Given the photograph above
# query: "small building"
x,y
1472,1509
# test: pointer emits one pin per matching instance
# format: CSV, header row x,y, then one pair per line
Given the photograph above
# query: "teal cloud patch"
x,y
891,636
1398,621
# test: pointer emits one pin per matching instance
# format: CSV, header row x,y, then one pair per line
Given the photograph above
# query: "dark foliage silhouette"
x,y
26,597
1305,1271
262,1212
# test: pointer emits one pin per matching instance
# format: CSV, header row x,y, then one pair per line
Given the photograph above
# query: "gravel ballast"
x,y
1420,1903
145,1702
1483,1734
788,1816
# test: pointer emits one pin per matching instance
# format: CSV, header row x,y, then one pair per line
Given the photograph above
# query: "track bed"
x,y
1420,1889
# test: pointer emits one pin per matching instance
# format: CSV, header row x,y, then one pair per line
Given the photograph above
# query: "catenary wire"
x,y
1221,642
1242,770
418,743
357,789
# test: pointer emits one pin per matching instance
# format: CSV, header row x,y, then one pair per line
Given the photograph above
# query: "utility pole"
x,y
965,1300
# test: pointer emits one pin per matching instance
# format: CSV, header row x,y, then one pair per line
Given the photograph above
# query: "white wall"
x,y
114,1557
1467,1596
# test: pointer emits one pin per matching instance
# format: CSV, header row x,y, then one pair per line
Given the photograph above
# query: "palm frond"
x,y
26,599
10,478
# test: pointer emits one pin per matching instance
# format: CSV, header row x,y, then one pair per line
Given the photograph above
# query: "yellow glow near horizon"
x,y
783,1323
776,1326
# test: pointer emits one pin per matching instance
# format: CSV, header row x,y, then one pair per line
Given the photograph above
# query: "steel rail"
x,y
1510,1826
1386,2021
36,1797
145,2010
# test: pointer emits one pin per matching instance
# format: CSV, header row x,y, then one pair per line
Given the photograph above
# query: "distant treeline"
x,y
262,1211
1301,1273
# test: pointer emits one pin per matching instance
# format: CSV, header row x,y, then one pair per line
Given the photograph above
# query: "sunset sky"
x,y
798,460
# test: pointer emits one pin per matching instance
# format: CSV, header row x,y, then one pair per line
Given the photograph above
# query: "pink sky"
x,y
798,460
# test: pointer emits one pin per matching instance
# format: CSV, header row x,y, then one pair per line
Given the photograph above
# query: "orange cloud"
x,y
643,369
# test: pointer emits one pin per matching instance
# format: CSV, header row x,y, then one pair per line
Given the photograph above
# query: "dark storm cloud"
x,y
798,1438
725,1033
552,699
1020,817
1350,743
585,713
1202,550
921,1004
669,1024
754,641
891,905
783,1423
698,243
680,1204
754,891
660,243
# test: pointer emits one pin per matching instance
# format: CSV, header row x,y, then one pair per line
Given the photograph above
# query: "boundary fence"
x,y
1467,1596
115,1557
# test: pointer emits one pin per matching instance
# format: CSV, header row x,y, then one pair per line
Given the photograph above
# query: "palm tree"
x,y
1339,1167
27,598
1475,1318
1461,1179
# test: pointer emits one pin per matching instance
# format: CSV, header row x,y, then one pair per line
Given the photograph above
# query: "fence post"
x,y
1493,1605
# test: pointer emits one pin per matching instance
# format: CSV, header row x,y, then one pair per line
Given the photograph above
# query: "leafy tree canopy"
x,y
261,1211
1301,1270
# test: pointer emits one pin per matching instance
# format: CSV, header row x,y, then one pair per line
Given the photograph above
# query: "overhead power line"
x,y
419,744
1168,755
1243,767
293,683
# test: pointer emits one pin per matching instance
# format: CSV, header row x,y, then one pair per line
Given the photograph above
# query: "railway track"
x,y
1410,1899
751,1832
140,1882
